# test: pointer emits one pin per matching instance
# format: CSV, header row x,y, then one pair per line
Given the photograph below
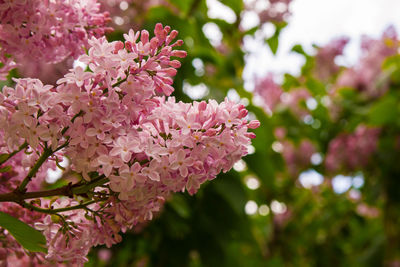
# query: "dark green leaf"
x,y
3,157
181,207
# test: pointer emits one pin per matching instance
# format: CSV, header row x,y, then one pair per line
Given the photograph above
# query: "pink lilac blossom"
x,y
272,96
276,11
365,75
325,66
269,91
116,121
47,31
295,99
298,157
348,152
48,73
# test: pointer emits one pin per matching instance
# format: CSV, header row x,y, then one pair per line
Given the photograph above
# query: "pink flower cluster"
x,y
276,11
272,96
113,121
325,66
298,157
47,31
365,75
269,92
347,152
295,99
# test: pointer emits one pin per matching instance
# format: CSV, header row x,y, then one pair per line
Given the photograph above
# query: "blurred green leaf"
x,y
273,43
236,5
299,49
384,111
181,207
316,87
183,5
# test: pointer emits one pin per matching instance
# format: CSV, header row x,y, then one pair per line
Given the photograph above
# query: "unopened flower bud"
x,y
253,124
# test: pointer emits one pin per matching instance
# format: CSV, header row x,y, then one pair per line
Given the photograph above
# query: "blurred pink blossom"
x,y
47,31
276,11
348,152
366,74
298,157
269,91
325,66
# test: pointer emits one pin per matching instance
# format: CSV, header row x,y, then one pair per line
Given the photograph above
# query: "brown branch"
x,y
68,190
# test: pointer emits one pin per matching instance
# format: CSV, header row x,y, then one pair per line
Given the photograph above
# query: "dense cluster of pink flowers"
x,y
113,121
47,31
348,152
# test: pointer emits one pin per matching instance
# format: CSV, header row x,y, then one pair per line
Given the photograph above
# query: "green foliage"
x,y
26,236
273,41
385,111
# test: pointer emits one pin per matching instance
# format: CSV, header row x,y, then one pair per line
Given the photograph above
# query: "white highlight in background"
x,y
252,182
251,207
310,178
54,175
278,207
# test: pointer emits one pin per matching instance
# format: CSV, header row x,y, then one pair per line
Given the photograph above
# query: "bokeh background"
x,y
320,186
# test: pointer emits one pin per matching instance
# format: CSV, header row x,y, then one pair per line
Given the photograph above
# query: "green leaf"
x,y
181,207
30,238
299,49
236,5
384,112
3,157
316,87
290,81
273,43
391,67
231,189
183,5
6,169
